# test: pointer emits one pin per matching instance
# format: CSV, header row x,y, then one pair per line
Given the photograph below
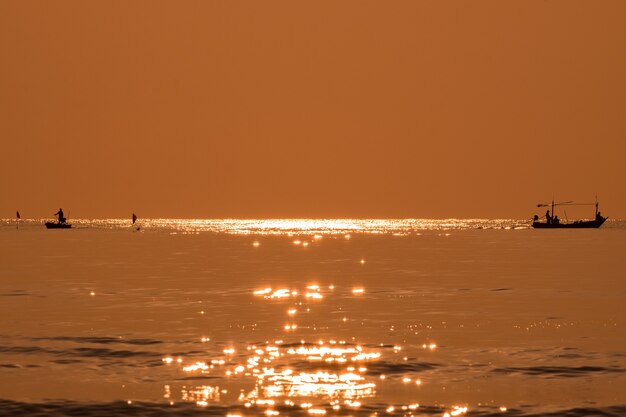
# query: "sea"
x,y
300,317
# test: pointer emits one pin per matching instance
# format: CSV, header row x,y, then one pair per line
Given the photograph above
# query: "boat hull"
x,y
589,224
54,225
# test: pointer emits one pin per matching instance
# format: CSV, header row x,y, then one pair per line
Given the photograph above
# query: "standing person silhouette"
x,y
60,214
548,217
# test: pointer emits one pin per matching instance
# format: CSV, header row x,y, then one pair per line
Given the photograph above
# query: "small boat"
x,y
553,222
57,225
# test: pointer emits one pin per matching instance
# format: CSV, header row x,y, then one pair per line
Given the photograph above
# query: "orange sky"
x,y
311,108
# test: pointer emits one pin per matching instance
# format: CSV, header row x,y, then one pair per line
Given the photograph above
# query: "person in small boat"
x,y
555,220
59,213
599,216
548,217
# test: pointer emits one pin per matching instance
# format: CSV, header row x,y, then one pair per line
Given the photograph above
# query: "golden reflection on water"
x,y
278,383
319,376
312,291
201,395
315,229
349,383
319,384
456,411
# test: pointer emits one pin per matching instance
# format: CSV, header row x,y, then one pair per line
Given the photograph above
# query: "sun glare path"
x,y
320,377
338,377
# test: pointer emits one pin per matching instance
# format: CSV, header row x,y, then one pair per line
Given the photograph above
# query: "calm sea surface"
x,y
312,317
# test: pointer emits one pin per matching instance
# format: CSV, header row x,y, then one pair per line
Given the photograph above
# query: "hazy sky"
x,y
311,108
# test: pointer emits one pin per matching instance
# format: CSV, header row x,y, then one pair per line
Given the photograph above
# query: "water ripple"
x,y
79,352
559,371
56,408
101,340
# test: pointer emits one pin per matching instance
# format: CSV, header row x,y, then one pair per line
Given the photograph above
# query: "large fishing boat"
x,y
553,221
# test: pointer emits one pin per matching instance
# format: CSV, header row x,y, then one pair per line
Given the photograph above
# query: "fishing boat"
x,y
553,222
57,225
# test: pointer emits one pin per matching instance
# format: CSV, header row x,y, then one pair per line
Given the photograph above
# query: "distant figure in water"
x,y
134,220
548,217
59,213
555,220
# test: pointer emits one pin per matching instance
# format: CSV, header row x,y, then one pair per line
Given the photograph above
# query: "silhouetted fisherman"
x,y
60,214
548,217
555,220
134,220
599,216
17,214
